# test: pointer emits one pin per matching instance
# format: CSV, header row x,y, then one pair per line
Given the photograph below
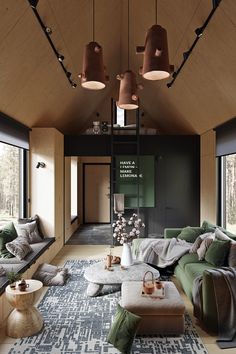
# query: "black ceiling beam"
x,y
47,31
199,32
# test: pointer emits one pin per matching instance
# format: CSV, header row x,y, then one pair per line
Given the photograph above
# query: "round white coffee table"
x,y
98,276
25,320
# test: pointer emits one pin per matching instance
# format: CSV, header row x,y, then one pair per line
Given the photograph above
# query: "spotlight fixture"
x,y
61,58
93,72
185,55
73,85
40,164
156,57
48,30
199,31
128,97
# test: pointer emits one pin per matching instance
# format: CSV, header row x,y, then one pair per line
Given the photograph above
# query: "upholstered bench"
x,y
159,316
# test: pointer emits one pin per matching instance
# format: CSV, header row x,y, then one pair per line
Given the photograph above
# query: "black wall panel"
x,y
177,162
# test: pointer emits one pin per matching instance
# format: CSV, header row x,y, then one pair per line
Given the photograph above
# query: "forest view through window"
x,y
10,158
229,192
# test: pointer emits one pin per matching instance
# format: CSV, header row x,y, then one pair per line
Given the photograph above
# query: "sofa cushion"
x,y
198,241
217,253
19,247
188,258
2,271
29,231
190,234
232,255
193,270
123,330
209,227
31,219
204,246
7,234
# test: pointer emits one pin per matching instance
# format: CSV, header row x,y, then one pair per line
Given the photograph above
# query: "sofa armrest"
x,y
172,232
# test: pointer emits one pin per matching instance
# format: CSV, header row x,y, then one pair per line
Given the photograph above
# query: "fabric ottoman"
x,y
159,316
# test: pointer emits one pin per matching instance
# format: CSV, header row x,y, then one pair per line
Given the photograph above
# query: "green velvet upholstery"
x,y
188,258
7,234
217,253
123,330
209,227
209,303
189,234
172,232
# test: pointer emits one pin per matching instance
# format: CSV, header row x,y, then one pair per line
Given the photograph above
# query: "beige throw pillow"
x,y
198,241
19,248
29,231
204,246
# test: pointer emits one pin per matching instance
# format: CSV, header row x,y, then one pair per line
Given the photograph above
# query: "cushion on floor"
x,y
49,274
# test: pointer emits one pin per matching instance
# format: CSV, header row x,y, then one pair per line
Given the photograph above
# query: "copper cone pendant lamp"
x,y
128,98
156,56
93,75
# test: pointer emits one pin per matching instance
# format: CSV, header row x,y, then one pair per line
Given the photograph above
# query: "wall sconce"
x,y
40,164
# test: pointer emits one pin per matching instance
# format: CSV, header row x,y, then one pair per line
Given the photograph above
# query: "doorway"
x,y
96,193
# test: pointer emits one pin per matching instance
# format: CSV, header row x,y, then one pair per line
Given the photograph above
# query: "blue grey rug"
x,y
74,323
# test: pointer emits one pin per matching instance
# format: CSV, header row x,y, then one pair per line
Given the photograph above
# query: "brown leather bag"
x,y
148,285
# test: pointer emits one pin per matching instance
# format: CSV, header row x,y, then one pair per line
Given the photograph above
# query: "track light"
x,y
73,85
199,31
185,55
169,84
61,58
48,30
33,3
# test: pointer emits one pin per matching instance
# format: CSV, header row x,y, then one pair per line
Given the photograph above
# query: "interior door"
x,y
96,193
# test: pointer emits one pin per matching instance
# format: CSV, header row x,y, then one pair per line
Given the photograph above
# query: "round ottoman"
x,y
159,316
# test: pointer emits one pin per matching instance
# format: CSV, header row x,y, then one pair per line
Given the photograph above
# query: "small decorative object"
x,y
13,277
96,128
115,260
108,260
159,284
148,285
22,285
125,238
104,127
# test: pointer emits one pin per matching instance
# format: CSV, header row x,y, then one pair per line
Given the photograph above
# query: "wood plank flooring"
x,y
98,252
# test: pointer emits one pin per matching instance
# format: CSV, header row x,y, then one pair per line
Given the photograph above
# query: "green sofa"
x,y
188,268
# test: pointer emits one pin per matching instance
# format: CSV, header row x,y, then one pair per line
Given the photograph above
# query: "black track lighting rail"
x,y
47,31
199,32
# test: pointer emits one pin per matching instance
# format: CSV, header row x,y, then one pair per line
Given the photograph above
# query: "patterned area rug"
x,y
74,323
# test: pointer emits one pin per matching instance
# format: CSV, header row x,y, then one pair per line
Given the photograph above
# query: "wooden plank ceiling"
x,y
35,91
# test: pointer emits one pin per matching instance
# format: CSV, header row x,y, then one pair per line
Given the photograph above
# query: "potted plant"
x,y
13,277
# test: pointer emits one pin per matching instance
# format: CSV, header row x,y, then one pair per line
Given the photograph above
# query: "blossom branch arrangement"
x,y
120,225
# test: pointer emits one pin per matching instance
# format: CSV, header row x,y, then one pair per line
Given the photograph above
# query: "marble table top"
x,y
97,273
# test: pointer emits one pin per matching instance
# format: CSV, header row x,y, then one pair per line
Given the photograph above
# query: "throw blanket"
x,y
162,252
224,282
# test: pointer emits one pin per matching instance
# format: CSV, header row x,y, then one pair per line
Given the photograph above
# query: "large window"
x,y
12,183
228,192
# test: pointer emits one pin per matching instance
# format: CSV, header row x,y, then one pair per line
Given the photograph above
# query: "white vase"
x,y
126,257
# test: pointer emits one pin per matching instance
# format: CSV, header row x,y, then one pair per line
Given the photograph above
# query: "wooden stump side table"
x,y
25,320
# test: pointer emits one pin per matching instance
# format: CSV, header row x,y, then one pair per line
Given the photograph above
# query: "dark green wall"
x,y
177,174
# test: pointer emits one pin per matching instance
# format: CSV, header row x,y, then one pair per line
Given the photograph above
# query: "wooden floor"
x,y
100,251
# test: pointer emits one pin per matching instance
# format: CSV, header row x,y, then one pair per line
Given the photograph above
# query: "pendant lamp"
x,y
156,57
128,97
93,75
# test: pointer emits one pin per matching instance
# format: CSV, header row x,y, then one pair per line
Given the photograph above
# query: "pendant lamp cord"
x,y
156,12
128,35
93,22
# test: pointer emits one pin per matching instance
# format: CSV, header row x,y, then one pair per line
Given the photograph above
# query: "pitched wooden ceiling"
x,y
35,91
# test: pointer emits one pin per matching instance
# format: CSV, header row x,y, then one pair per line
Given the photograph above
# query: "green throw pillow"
x,y
7,234
123,330
189,234
208,227
217,253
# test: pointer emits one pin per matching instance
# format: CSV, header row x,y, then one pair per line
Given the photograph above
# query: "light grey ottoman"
x,y
159,316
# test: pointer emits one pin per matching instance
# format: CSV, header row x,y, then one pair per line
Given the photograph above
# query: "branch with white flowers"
x,y
120,225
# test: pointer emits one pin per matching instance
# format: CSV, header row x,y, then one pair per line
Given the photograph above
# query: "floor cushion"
x,y
49,274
